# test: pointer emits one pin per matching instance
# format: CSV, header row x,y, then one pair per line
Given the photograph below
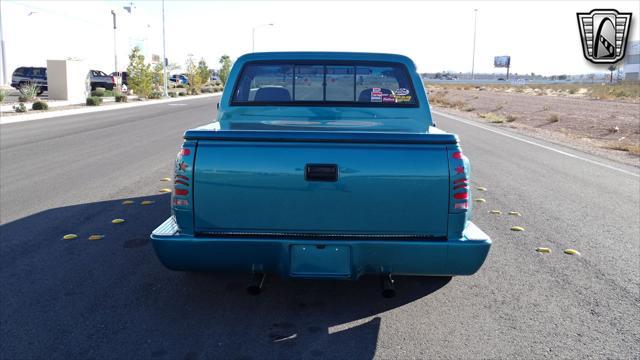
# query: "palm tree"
x,y
611,68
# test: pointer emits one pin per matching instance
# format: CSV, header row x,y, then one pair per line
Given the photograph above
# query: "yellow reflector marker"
x,y
571,252
96,237
515,213
481,188
165,190
70,236
117,221
481,200
543,250
147,202
165,179
127,202
517,228
497,212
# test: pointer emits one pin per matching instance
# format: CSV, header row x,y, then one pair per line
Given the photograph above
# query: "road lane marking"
x,y
177,104
468,122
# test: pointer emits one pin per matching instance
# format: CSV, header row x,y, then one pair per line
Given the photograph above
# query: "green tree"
x,y
192,74
140,76
157,77
225,69
203,71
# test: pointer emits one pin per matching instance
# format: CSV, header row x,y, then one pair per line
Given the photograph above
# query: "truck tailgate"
x,y
256,185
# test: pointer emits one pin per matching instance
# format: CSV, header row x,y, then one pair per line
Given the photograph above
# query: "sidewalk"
x,y
90,109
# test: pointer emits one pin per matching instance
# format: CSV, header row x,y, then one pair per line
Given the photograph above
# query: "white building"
x,y
632,61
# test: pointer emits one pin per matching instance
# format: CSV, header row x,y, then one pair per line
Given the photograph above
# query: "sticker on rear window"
x,y
388,99
404,98
402,92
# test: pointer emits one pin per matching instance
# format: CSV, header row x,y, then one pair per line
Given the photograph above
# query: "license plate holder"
x,y
320,261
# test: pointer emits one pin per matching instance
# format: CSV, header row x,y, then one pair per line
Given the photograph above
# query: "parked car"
x,y
123,75
179,79
30,75
322,176
101,79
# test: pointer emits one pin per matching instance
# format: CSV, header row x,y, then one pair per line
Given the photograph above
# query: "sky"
x,y
540,36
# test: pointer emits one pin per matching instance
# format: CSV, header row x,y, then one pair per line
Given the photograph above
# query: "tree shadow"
x,y
112,298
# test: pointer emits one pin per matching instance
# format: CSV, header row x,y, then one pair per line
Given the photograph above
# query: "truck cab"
x,y
322,165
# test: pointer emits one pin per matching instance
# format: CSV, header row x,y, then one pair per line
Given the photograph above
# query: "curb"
x,y
86,110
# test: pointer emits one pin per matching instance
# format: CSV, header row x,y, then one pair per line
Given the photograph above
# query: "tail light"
x,y
182,177
459,185
113,79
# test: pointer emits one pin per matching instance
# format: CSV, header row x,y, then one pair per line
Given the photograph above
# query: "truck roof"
x,y
327,55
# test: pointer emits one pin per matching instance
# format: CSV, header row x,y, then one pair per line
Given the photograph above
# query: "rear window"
x,y
329,84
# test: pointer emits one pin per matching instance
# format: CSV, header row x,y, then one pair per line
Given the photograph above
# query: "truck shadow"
x,y
113,299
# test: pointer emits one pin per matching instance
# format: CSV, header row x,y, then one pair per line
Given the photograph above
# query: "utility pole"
x,y
4,79
253,36
473,58
165,93
115,45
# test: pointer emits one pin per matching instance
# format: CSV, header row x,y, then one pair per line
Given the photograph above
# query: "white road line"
x,y
177,104
535,143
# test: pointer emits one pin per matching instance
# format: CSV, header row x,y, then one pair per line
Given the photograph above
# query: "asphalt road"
x,y
112,299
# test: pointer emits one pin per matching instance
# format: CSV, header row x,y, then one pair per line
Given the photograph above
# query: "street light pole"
x,y
473,58
4,79
253,35
165,93
115,46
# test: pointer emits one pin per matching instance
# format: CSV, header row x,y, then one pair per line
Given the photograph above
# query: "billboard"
x,y
502,61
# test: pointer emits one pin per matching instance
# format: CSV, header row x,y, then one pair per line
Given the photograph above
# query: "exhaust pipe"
x,y
388,286
255,286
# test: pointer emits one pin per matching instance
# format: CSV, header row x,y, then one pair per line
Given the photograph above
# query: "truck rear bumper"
x,y
342,258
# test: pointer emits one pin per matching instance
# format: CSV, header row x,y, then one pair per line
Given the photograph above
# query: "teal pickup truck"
x,y
322,165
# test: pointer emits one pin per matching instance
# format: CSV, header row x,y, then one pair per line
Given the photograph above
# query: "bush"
x,y
29,91
182,93
172,94
20,108
121,98
181,86
94,101
99,92
22,98
3,94
40,105
155,95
